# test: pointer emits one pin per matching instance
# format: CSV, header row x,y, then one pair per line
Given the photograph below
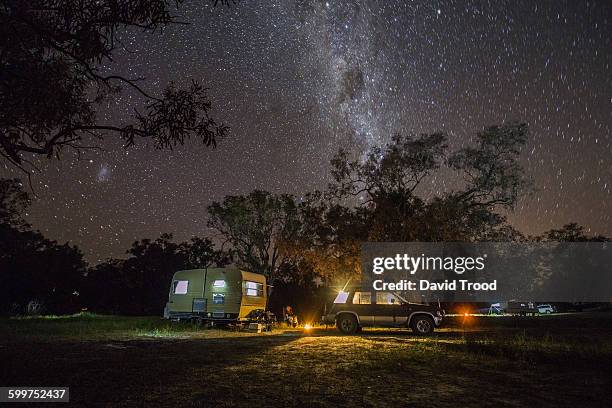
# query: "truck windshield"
x,y
341,298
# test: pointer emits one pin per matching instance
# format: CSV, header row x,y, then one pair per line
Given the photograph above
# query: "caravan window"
x,y
218,298
180,287
253,288
220,283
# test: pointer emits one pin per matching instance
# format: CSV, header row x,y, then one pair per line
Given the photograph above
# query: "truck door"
x,y
388,310
362,305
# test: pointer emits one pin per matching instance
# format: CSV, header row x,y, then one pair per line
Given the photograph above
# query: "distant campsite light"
x,y
307,326
467,319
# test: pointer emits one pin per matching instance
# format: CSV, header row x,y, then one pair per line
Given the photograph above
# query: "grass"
x,y
145,361
87,327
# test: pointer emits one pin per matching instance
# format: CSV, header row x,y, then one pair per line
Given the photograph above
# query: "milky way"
x,y
297,80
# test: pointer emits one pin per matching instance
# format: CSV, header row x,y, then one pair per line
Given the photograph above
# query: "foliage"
x,y
201,253
33,268
379,198
492,173
149,269
300,246
39,274
13,203
571,232
36,273
387,184
53,80
257,226
139,284
105,289
330,238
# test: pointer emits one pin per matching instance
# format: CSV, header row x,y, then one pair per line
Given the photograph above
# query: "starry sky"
x,y
297,80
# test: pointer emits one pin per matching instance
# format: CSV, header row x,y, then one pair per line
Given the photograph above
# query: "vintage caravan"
x,y
222,295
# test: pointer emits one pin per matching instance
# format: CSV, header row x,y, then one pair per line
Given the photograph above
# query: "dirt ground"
x,y
484,361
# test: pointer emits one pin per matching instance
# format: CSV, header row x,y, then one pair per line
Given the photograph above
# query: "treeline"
x,y
395,193
140,283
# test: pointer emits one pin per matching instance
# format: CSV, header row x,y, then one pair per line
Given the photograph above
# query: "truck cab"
x,y
354,308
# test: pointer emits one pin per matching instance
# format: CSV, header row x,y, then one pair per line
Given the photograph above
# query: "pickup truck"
x,y
353,309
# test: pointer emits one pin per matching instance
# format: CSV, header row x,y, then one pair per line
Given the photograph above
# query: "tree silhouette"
x,y
13,203
52,84
257,226
200,253
34,269
387,184
572,232
139,284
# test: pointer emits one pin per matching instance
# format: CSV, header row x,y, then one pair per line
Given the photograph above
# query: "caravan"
x,y
222,295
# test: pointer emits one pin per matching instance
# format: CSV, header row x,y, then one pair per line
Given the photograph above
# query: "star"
x,y
296,81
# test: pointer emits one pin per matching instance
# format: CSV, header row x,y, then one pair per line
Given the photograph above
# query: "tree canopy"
x,y
571,232
52,82
489,179
378,198
295,243
257,226
34,270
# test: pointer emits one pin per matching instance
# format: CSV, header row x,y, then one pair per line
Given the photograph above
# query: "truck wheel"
x,y
423,325
347,324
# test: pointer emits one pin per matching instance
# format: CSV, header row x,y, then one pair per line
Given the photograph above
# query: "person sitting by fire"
x,y
290,317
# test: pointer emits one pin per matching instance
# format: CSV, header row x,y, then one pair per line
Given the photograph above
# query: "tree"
x,y
491,171
139,284
257,226
378,198
393,171
330,237
107,289
13,203
148,272
200,253
387,185
52,81
32,267
571,232
35,269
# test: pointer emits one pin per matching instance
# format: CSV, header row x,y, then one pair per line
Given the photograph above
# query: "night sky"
x,y
296,81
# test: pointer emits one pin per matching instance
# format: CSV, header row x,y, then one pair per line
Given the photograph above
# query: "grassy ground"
x,y
563,360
